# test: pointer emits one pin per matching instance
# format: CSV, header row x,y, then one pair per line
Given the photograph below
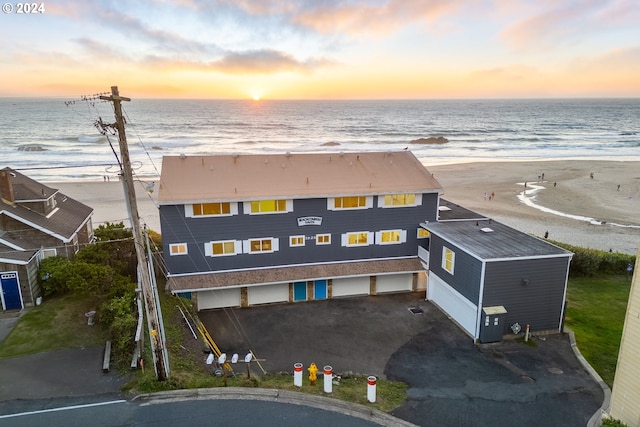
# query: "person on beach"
x,y
591,175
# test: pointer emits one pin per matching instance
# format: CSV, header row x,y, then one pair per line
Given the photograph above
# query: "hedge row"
x,y
592,262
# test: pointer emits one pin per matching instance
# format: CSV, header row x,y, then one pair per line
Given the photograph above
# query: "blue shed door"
x,y
320,289
11,298
300,291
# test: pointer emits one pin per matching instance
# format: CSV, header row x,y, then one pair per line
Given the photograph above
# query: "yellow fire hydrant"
x,y
313,369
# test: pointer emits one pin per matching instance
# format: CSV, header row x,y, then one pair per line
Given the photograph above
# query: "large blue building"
x,y
240,230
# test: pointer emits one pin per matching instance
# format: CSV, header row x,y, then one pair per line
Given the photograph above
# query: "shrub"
x,y
54,275
591,262
120,315
612,422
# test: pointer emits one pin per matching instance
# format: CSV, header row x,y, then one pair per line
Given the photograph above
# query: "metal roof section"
x,y
193,179
489,240
449,211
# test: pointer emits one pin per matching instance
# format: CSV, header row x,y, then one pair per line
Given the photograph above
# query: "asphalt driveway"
x,y
453,382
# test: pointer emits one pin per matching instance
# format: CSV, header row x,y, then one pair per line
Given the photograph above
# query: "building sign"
x,y
309,220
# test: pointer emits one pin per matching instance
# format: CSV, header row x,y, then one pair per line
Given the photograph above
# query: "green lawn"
x,y
595,312
58,323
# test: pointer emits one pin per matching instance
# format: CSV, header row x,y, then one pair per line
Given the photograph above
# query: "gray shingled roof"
x,y
20,257
502,242
66,221
292,274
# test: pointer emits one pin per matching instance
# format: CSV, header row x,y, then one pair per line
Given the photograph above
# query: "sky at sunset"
x,y
323,49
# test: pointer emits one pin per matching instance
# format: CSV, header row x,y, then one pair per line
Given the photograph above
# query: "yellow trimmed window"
x,y
358,239
448,259
178,249
400,200
423,234
260,245
264,206
350,202
296,241
323,239
203,209
390,236
223,248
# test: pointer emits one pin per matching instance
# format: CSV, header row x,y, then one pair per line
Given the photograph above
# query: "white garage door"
x,y
350,286
268,294
453,303
219,298
394,283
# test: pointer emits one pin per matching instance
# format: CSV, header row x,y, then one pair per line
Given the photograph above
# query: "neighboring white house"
x,y
625,398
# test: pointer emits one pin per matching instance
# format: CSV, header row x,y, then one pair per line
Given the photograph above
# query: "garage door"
x,y
453,303
268,294
219,298
350,286
394,283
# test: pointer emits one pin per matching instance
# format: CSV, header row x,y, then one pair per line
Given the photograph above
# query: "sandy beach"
x,y
555,204
108,201
566,193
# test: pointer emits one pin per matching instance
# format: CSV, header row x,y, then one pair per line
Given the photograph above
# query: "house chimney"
x,y
6,186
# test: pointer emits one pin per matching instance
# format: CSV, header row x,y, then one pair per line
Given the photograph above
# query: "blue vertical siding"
x,y
539,302
466,273
195,232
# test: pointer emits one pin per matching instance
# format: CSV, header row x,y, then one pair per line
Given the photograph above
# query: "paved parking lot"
x,y
452,381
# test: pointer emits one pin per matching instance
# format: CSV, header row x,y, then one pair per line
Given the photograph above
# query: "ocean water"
x,y
53,140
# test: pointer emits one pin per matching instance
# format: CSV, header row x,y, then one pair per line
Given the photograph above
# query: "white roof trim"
x,y
37,227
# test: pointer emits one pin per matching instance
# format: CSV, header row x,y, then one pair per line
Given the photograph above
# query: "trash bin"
x,y
90,317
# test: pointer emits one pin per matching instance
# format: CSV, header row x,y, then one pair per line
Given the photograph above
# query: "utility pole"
x,y
160,359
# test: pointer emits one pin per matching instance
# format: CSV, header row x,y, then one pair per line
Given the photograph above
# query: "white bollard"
x,y
328,379
297,374
371,389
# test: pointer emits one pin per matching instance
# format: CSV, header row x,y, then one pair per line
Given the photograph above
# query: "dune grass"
x,y
596,308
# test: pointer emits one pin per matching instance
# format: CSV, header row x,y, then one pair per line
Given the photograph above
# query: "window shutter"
x,y
246,246
370,237
275,244
345,239
208,250
403,236
378,237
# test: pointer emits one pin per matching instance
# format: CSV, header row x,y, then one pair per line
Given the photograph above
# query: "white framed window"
x,y
349,203
222,248
448,259
273,206
295,241
391,237
423,233
323,239
204,210
46,253
399,200
178,249
260,245
357,238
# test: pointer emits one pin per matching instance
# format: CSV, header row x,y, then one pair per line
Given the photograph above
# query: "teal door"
x,y
320,289
300,291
